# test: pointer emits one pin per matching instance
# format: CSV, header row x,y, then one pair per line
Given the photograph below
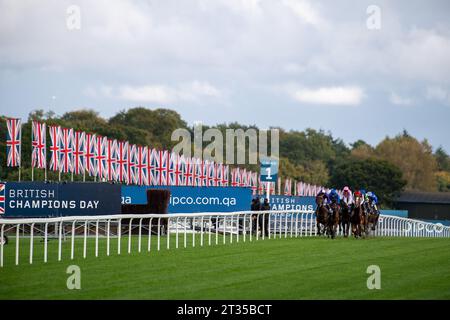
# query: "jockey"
x,y
347,196
333,196
372,200
363,195
325,196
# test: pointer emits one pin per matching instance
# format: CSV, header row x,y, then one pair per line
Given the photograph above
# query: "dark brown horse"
x,y
344,220
333,220
357,218
372,218
321,215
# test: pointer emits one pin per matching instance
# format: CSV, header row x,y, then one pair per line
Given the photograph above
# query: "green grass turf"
x,y
297,268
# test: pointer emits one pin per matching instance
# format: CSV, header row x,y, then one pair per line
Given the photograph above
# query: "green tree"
x,y
378,176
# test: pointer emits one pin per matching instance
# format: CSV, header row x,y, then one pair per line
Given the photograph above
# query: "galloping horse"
x,y
357,218
372,218
333,220
321,215
345,218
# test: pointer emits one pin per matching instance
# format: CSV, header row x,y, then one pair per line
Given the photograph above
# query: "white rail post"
x,y
244,231
281,226
209,230
237,227
119,234
96,237
301,224
168,232
149,246
193,231
72,241
224,229
108,230
85,238
257,226
201,232
140,234
129,235
263,233
285,224
296,224
185,236
60,240
231,228
31,243
275,225
2,234
17,243
251,226
176,235
292,223
217,230
45,241
159,233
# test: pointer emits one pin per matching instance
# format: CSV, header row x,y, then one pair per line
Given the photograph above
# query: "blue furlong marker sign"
x,y
185,199
39,199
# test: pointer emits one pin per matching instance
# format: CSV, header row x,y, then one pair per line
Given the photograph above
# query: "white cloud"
x,y
349,96
156,93
400,101
305,11
438,94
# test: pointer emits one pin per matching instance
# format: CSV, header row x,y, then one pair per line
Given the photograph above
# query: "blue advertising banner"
x,y
185,199
292,203
39,199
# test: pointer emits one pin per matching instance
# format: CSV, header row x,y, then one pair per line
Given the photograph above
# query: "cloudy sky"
x,y
329,65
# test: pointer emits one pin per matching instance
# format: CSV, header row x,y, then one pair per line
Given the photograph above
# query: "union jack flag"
x,y
225,173
2,198
287,187
161,167
188,172
254,182
100,156
141,166
171,162
235,177
150,167
55,133
111,160
210,174
122,161
242,177
91,143
79,152
202,172
218,175
178,173
260,186
65,153
195,174
13,142
132,162
38,137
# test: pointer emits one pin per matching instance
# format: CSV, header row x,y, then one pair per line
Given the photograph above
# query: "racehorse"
x,y
372,218
321,215
357,218
333,220
344,219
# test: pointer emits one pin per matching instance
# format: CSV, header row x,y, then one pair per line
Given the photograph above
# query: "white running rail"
x,y
199,229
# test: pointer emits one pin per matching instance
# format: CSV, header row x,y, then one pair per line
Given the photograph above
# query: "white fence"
x,y
193,229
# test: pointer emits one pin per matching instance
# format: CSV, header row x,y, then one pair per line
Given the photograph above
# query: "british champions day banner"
x,y
278,203
38,199
194,199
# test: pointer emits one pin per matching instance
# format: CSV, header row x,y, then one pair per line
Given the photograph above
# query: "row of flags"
x,y
82,153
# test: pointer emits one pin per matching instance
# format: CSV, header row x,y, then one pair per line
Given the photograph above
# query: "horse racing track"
x,y
216,264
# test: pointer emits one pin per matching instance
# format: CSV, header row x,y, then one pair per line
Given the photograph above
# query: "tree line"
x,y
312,156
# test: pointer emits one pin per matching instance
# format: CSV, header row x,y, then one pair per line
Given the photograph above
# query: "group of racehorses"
x,y
359,216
